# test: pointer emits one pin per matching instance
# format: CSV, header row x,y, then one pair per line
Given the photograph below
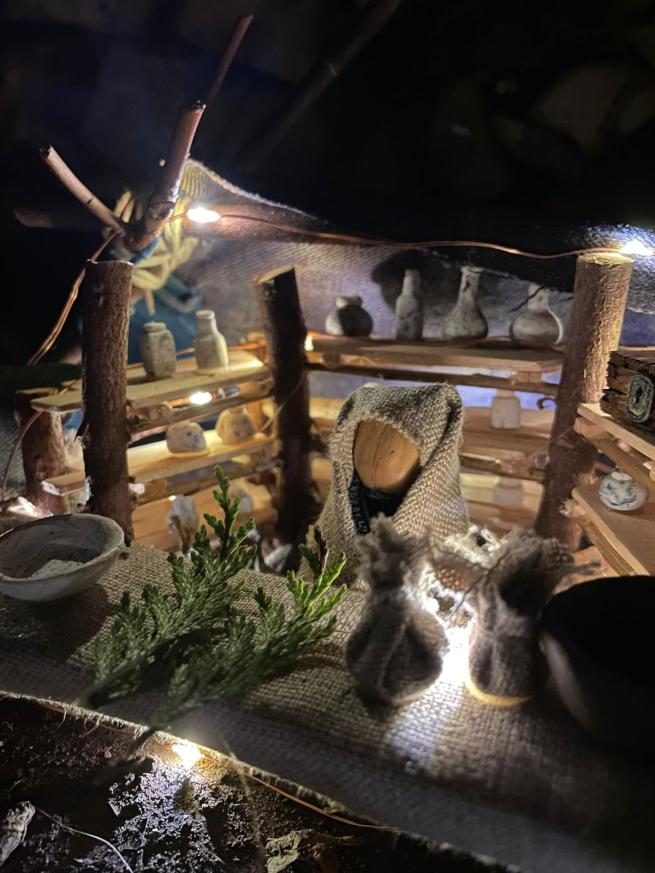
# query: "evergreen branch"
x,y
193,643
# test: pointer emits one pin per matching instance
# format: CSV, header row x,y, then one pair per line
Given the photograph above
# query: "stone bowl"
x,y
598,640
58,556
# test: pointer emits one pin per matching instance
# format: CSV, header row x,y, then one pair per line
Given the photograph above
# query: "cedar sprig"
x,y
195,644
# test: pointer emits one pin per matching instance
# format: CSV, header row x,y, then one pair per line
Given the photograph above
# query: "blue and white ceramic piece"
x,y
621,492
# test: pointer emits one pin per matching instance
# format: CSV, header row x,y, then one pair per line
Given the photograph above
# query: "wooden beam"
x,y
43,450
106,299
599,298
285,332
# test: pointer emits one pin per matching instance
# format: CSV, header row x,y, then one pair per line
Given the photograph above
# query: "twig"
x,y
72,830
234,43
56,164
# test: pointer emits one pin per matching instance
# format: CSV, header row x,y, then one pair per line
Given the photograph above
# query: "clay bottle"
x,y
157,350
465,320
210,345
537,326
409,308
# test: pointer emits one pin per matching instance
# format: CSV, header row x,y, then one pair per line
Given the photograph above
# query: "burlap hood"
x,y
431,417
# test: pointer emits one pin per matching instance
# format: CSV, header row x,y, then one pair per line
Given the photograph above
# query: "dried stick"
x,y
161,202
58,167
106,297
234,43
318,80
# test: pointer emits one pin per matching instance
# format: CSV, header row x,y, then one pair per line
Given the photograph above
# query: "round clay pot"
x,y
236,425
55,557
186,438
597,637
349,318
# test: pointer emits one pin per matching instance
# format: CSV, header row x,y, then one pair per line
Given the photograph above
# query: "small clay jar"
x,y
409,308
619,491
210,345
505,410
349,318
537,326
236,425
186,438
157,350
465,320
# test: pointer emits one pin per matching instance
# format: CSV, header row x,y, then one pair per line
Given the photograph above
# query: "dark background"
x,y
527,124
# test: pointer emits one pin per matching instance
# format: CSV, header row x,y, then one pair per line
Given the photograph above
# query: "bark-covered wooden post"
x,y
106,298
43,451
599,298
285,331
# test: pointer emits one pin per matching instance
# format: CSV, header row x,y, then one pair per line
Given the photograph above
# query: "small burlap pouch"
x,y
396,650
430,416
512,583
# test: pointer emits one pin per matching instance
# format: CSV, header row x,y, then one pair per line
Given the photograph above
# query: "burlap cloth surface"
x,y
525,786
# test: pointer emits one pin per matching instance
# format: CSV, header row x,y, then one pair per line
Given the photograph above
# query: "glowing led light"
x,y
171,497
199,398
202,215
309,344
188,754
635,247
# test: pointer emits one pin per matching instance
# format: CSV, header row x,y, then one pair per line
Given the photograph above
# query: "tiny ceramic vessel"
x,y
621,492
210,346
537,326
236,425
58,556
465,320
409,308
505,410
186,438
349,318
183,517
157,350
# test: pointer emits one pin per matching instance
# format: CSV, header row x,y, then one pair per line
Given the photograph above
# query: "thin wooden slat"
x,y
631,535
639,440
632,463
153,461
244,367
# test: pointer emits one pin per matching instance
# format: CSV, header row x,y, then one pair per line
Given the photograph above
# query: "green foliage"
x,y
196,644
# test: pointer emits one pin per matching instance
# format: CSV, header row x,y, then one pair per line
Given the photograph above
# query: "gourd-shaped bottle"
x,y
465,320
157,350
409,308
537,326
349,318
210,345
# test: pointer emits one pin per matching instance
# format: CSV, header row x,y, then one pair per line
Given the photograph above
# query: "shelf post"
x,y
105,293
599,298
285,332
43,450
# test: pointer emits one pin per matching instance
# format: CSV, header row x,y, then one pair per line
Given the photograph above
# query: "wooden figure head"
x,y
385,459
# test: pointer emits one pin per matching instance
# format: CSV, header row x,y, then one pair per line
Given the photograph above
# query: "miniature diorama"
x,y
327,437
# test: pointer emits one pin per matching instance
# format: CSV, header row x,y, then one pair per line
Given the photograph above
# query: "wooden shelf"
x,y
151,521
625,539
491,363
631,449
153,462
141,393
513,453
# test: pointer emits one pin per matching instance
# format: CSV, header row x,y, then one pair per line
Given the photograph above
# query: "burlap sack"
x,y
504,655
396,650
431,417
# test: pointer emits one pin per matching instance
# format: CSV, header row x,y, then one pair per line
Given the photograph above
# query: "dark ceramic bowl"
x,y
599,641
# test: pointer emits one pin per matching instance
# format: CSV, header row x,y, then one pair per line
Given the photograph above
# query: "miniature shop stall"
x,y
410,625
